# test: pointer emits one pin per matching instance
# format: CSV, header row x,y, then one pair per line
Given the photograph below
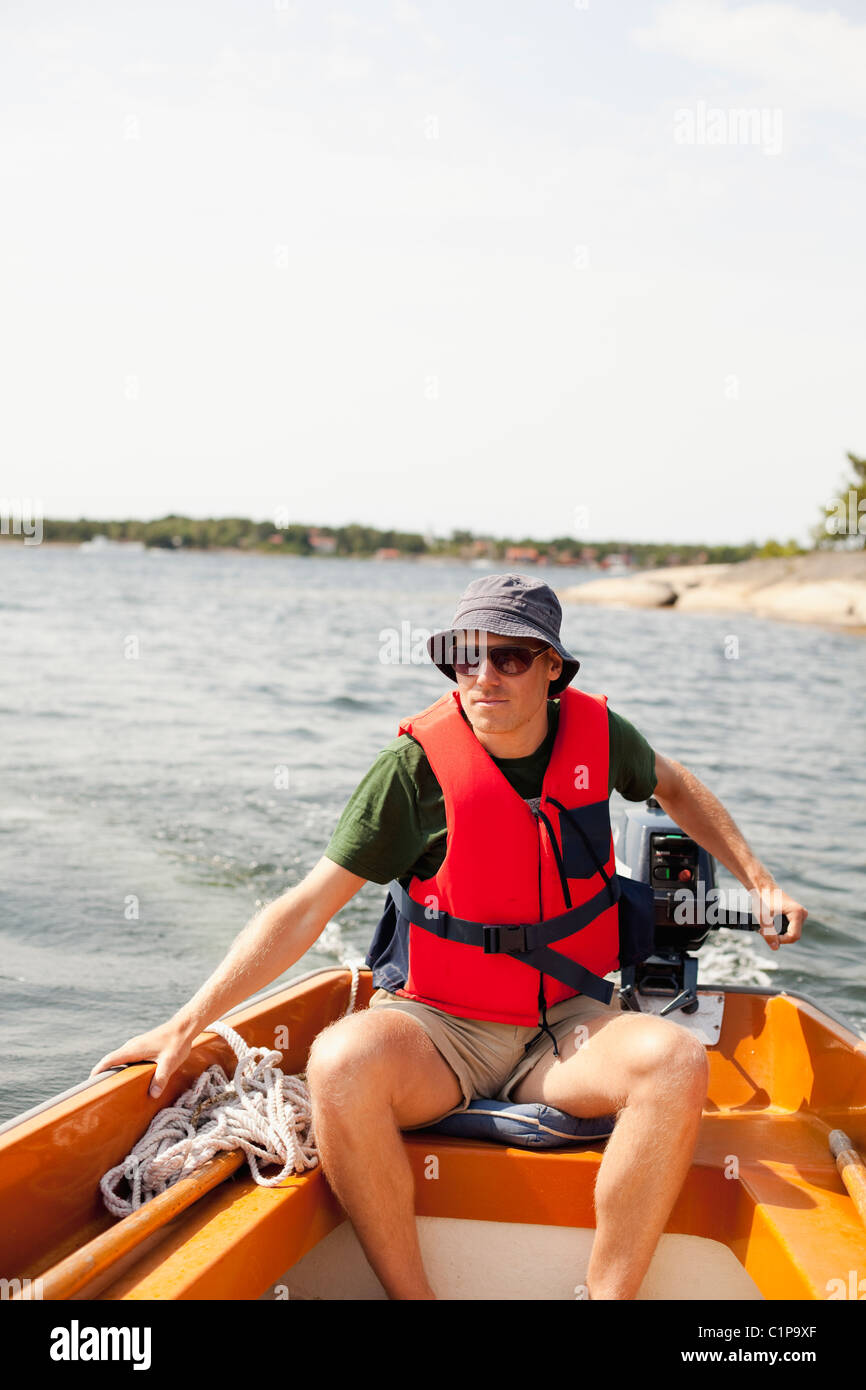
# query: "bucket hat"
x,y
511,605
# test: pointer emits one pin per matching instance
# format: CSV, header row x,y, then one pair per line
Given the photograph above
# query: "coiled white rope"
x,y
261,1110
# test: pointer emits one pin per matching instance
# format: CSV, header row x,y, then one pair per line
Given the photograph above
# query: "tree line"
x,y
175,532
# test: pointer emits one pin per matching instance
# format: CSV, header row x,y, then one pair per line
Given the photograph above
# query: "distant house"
x,y
525,554
387,552
275,538
324,545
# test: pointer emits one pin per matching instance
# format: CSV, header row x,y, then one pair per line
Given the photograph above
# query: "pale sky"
x,y
505,265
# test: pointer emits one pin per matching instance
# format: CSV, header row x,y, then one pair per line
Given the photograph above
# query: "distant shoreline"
x,y
296,555
495,565
827,587
369,542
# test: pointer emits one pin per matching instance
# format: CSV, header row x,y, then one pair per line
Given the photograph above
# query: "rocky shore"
x,y
825,586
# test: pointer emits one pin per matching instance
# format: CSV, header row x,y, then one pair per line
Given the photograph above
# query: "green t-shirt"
x,y
393,825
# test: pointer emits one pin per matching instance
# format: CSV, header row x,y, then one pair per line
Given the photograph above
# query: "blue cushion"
x,y
532,1126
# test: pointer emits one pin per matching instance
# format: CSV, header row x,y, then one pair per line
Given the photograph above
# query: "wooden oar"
x,y
852,1169
97,1257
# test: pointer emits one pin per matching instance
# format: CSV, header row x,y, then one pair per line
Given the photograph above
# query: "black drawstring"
x,y
545,1027
563,879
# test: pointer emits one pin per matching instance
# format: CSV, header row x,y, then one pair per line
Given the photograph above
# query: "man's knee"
x,y
352,1062
340,1052
666,1054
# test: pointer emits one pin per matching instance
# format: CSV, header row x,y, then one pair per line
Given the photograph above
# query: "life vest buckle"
x,y
504,938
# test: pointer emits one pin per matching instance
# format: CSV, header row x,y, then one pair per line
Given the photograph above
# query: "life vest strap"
x,y
527,942
568,972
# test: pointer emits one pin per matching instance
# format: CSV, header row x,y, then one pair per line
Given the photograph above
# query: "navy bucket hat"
x,y
511,605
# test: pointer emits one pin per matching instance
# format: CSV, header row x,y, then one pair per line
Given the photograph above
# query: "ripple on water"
x,y
350,702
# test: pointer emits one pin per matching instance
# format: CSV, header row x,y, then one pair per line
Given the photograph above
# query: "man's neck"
x,y
515,743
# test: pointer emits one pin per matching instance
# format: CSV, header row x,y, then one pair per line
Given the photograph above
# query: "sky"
x,y
531,269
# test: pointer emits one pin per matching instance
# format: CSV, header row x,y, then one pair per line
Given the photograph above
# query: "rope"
x,y
260,1110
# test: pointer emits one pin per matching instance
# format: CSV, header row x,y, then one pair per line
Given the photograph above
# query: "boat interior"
x,y
762,1214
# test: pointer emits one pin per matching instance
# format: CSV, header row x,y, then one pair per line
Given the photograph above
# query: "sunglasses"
x,y
508,661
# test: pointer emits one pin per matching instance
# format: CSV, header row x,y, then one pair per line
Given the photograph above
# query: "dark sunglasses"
x,y
508,661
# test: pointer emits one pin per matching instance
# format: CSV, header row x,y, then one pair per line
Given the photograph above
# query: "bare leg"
x,y
368,1075
655,1074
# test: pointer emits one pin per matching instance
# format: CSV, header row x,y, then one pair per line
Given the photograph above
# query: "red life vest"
x,y
523,911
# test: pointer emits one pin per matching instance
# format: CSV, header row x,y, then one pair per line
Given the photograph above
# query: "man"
x,y
486,810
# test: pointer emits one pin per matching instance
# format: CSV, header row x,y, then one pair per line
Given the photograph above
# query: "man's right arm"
x,y
269,944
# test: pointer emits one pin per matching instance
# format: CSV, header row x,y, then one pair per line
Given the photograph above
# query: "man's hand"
x,y
168,1045
703,817
768,902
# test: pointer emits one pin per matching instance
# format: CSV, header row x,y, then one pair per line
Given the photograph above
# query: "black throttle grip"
x,y
744,921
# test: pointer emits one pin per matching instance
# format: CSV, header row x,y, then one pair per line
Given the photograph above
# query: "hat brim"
x,y
439,643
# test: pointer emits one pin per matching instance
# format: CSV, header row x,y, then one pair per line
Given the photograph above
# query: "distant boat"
x,y
101,542
617,566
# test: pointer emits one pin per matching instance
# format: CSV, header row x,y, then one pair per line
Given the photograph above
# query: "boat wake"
x,y
732,958
331,943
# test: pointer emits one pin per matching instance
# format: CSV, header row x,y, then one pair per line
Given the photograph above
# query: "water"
x,y
141,817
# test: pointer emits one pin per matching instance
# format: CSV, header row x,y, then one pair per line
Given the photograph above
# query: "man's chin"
x,y
496,715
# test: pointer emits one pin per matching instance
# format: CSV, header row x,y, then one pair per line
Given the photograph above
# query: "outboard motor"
x,y
688,906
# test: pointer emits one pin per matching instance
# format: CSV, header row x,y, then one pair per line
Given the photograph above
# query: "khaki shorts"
x,y
489,1059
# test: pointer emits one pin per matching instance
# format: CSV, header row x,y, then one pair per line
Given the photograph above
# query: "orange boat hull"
x,y
762,1180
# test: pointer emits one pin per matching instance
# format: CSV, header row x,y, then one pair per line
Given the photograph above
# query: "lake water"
x,y
181,731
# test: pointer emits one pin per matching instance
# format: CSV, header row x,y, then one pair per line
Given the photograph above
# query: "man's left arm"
x,y
703,817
